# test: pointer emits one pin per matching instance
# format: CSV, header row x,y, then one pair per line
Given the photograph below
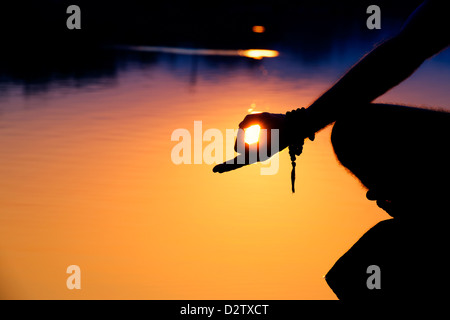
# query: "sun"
x,y
252,134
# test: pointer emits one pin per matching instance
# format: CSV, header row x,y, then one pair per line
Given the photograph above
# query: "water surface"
x,y
86,178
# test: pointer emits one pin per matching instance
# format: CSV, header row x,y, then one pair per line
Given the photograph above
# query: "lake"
x,y
87,179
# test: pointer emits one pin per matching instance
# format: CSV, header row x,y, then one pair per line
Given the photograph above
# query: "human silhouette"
x,y
399,153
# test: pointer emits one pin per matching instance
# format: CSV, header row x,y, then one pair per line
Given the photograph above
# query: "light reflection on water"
x,y
257,54
87,179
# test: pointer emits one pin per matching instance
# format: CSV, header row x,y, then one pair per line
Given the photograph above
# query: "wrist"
x,y
299,126
320,115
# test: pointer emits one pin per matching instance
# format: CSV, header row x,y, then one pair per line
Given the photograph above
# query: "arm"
x,y
425,33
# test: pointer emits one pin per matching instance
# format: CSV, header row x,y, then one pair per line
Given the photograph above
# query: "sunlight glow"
x,y
252,134
258,53
250,53
258,29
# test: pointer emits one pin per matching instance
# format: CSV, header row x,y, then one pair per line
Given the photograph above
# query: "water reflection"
x,y
249,53
77,63
92,68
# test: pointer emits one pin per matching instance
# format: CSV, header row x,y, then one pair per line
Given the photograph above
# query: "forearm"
x,y
376,73
425,33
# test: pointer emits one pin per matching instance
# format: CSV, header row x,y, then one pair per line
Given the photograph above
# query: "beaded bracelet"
x,y
298,129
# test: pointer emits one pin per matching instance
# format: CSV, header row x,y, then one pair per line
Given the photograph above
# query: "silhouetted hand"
x,y
266,144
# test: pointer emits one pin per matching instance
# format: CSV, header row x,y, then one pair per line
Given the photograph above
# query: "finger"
x,y
224,167
251,119
372,195
230,165
239,141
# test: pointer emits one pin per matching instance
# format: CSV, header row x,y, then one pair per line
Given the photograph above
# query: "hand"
x,y
266,121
